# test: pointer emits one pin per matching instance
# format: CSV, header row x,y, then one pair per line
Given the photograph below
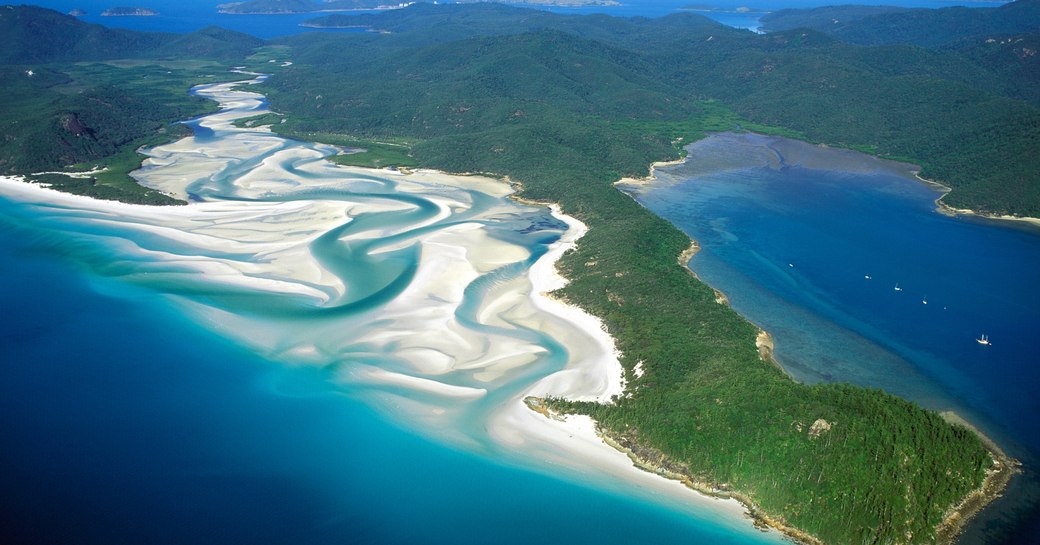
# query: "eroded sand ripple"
x,y
419,292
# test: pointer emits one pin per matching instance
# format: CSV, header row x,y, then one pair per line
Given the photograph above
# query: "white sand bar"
x,y
421,290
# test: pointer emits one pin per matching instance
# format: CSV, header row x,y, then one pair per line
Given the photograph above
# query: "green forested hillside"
x,y
823,19
33,35
1014,58
955,113
866,25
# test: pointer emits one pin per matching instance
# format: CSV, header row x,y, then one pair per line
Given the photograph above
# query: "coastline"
x,y
578,426
947,210
956,517
946,532
576,439
998,477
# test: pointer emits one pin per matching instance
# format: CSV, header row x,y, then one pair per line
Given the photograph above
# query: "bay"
x,y
843,259
123,422
191,15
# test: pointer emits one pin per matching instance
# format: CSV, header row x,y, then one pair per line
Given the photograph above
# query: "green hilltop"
x,y
879,25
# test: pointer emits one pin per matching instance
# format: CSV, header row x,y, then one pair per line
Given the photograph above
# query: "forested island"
x,y
565,106
129,12
309,6
302,6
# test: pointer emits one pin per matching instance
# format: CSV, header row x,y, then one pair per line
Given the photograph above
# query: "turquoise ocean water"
x,y
123,422
812,243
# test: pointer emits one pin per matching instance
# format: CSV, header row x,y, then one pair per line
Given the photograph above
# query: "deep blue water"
x,y
793,248
121,422
190,15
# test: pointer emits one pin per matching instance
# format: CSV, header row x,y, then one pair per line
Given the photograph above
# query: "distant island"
x,y
336,21
260,7
128,12
719,9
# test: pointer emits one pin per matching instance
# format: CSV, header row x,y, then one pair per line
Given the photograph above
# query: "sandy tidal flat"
x,y
422,293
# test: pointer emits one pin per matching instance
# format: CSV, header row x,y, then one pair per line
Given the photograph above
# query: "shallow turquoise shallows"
x,y
124,423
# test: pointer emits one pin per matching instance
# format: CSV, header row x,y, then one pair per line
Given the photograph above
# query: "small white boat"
x,y
897,288
925,300
984,340
867,276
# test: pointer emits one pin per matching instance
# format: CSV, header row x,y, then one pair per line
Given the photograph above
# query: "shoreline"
x,y
956,517
961,513
998,477
575,438
653,462
947,531
947,210
594,373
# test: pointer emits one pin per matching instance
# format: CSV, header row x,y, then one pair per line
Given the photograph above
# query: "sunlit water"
x,y
843,259
306,353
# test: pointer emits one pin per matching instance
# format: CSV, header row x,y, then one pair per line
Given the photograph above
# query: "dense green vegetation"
x,y
376,155
297,6
823,18
471,68
876,25
566,105
96,113
32,35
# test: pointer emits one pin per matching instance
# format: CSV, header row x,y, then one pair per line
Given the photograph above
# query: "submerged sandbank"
x,y
429,348
439,315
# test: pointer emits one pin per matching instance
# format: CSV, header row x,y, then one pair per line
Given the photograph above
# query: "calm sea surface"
x,y
190,15
843,259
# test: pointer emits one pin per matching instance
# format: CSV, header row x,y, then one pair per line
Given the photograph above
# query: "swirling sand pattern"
x,y
420,292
